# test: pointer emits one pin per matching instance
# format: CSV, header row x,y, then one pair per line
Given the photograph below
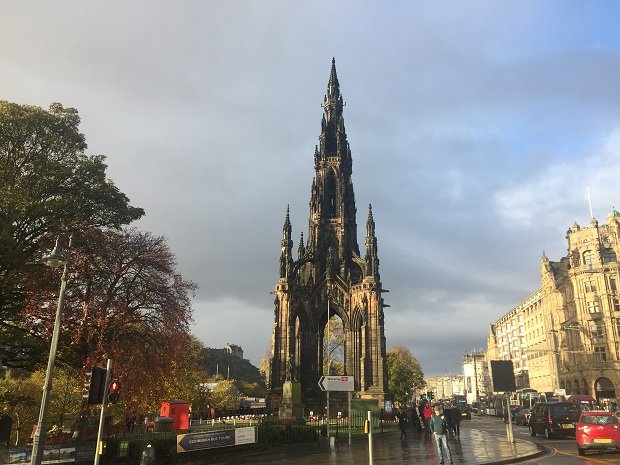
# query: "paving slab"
x,y
473,446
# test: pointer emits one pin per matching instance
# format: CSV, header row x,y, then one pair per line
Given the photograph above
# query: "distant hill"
x,y
227,365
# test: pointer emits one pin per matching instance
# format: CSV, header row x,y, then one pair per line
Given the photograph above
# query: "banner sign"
x,y
78,452
213,439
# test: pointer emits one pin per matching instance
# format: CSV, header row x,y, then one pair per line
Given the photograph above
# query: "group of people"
x,y
438,421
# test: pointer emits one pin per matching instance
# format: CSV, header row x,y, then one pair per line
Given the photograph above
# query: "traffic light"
x,y
95,384
114,391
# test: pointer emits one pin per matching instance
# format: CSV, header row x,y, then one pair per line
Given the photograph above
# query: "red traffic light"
x,y
113,391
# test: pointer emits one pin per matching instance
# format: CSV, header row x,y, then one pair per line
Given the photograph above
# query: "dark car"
x,y
554,419
513,411
522,417
464,411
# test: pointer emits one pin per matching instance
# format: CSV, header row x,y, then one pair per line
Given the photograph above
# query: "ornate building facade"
x,y
567,334
329,276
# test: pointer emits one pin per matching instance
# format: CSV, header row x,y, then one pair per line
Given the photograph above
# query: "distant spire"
x,y
332,103
286,245
301,251
286,229
370,223
333,79
372,260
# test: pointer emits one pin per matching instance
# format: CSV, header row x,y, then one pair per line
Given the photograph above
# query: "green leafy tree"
x,y
264,364
333,347
252,389
66,399
48,185
19,399
225,395
125,300
405,375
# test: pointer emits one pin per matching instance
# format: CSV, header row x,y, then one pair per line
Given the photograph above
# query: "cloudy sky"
x,y
475,127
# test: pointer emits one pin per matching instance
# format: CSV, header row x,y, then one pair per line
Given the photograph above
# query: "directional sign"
x,y
336,383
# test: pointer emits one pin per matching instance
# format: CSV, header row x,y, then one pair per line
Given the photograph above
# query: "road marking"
x,y
589,458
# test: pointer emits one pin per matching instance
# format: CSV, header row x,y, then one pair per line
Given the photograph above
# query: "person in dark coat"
x,y
416,419
447,411
456,420
402,423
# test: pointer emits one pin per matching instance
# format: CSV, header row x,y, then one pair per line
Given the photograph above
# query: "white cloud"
x,y
559,190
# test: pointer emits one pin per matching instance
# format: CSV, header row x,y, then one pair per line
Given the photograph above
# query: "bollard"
x,y
148,456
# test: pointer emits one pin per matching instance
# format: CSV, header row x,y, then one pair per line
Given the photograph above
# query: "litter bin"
x,y
163,424
148,456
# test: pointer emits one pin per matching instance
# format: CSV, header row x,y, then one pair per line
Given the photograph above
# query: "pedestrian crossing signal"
x,y
114,391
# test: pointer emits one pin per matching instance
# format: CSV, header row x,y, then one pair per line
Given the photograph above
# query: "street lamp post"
x,y
329,295
54,259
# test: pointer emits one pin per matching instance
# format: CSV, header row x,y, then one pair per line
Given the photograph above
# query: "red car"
x,y
597,431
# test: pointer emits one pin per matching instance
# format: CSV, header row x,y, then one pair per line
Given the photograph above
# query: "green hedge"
x,y
129,449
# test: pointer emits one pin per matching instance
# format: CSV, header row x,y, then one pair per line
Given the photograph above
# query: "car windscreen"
x,y
599,419
559,410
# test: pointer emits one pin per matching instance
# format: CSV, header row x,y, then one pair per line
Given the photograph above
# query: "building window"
x,y
590,285
597,331
616,305
593,307
609,255
612,284
600,354
588,257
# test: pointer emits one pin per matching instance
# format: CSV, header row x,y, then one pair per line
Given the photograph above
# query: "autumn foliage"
x,y
124,299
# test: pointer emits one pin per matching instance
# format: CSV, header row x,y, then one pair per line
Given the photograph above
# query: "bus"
x,y
525,397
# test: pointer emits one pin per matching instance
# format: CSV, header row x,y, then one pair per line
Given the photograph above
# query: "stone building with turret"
x,y
566,335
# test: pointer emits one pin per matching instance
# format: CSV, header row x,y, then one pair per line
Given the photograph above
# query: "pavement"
x,y
473,446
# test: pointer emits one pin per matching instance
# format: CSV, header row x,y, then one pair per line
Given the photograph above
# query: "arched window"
x,y
588,257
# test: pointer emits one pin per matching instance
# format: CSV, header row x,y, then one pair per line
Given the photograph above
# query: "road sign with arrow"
x,y
336,383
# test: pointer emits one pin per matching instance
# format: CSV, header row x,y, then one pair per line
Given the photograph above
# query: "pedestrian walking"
x,y
421,413
447,412
416,419
402,423
427,413
456,420
439,428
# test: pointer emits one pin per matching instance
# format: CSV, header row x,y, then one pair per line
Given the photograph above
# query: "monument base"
x,y
291,406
